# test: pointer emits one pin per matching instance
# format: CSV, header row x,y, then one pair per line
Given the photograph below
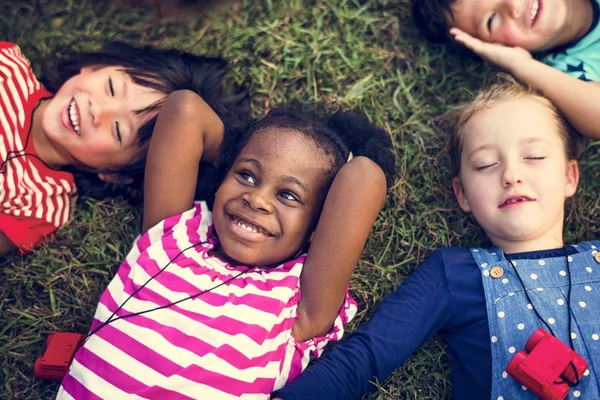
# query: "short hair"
x,y
431,18
505,87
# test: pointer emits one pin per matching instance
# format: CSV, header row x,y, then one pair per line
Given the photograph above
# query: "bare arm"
x,y
579,101
351,207
6,246
187,130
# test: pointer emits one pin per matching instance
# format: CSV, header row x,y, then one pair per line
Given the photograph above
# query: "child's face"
x,y
266,208
92,118
534,25
515,175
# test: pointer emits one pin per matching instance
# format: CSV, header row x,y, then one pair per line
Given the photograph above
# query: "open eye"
x,y
111,88
288,196
246,176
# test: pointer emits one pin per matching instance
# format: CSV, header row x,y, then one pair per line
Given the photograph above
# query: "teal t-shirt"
x,y
580,59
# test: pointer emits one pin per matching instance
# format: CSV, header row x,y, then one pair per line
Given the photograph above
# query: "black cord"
x,y
566,255
11,155
111,319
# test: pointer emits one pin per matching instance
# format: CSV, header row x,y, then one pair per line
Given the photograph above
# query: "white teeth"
x,y
511,201
534,10
248,228
73,117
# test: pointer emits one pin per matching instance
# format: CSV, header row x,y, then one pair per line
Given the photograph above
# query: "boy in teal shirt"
x,y
565,34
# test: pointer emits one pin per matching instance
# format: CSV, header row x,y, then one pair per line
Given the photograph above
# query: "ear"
x,y
114,178
572,178
459,192
86,70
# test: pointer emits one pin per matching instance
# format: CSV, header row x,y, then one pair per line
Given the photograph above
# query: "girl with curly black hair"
x,y
233,299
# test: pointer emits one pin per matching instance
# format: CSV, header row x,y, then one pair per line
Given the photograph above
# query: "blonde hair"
x,y
505,87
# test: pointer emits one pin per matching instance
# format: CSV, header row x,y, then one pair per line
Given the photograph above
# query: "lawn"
x,y
361,54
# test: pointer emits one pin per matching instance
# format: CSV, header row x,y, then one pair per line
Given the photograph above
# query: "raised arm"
x,y
579,101
351,207
187,130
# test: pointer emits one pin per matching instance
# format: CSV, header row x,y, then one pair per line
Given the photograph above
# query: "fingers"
x,y
468,41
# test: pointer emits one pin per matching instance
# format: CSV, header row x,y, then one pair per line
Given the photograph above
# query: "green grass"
x,y
361,53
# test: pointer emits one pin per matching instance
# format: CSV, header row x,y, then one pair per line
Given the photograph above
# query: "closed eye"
x,y
490,22
483,167
535,158
118,132
111,88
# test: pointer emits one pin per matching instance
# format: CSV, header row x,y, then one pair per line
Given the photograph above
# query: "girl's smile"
x,y
92,120
247,230
71,117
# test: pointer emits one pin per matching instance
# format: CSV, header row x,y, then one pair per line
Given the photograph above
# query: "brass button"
x,y
496,272
597,257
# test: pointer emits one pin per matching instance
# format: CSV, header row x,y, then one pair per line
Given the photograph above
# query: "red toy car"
x,y
548,367
60,349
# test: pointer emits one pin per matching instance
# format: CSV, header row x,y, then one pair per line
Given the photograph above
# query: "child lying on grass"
x,y
565,34
230,298
515,165
95,114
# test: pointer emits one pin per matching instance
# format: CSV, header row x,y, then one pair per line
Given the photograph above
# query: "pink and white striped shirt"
x,y
35,200
234,342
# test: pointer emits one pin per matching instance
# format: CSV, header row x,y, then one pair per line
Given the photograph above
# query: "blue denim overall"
x,y
512,319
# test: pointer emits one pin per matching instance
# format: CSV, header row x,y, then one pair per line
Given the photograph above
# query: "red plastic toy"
x,y
60,349
547,368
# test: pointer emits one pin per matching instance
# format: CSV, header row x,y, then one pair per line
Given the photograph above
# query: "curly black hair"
x,y
162,70
336,134
431,18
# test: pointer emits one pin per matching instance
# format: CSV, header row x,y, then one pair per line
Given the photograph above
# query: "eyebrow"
x,y
522,141
481,148
286,178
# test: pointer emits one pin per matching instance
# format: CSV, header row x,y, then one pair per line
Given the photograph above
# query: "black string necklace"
x,y
193,296
566,255
13,154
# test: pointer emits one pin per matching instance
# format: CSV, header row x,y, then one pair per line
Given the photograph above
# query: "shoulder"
x,y
456,264
452,257
194,224
10,52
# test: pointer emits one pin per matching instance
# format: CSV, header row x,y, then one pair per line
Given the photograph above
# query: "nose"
x,y
101,112
513,7
258,199
511,175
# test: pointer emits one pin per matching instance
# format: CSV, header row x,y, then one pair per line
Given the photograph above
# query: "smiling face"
x,y
92,118
514,174
535,25
267,206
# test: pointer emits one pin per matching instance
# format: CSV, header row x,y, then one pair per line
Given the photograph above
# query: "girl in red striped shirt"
x,y
95,113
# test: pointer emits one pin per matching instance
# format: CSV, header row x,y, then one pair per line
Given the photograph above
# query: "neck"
x,y
582,17
551,240
44,147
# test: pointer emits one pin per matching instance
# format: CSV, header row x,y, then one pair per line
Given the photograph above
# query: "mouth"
x,y
73,117
247,229
513,201
534,11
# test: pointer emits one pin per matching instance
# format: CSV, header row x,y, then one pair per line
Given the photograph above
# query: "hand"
x,y
505,57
